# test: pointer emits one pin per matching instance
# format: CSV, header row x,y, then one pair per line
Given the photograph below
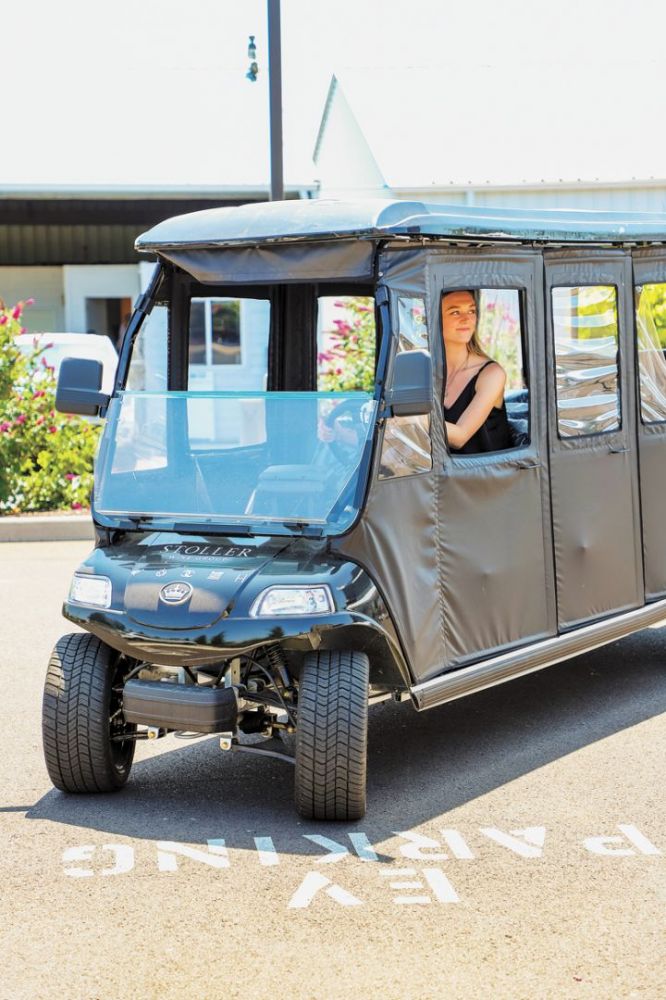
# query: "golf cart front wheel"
x,y
82,721
332,736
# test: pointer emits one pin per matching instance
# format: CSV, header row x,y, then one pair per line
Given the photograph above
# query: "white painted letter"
x,y
441,888
124,856
418,845
601,845
266,850
638,839
530,844
336,851
458,844
312,884
83,853
363,847
167,850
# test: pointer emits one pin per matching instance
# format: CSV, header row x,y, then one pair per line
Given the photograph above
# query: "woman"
x,y
474,408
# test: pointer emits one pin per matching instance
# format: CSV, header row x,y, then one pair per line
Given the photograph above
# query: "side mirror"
x,y
410,393
79,387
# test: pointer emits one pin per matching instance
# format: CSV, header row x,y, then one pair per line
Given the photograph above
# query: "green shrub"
x,y
46,458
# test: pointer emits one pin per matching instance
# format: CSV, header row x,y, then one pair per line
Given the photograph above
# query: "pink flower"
x,y
39,420
52,430
77,506
4,427
16,311
38,394
29,302
3,319
20,419
70,476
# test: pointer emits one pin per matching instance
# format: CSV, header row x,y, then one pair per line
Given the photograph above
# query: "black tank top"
x,y
493,435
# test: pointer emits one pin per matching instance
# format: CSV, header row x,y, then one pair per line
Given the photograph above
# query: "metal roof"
x,y
376,219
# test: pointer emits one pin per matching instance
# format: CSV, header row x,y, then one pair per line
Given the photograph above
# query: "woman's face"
x,y
458,317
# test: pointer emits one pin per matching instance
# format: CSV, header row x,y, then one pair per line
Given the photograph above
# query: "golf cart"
x,y
283,536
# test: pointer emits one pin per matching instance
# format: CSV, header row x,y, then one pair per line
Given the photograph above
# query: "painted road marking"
x,y
410,886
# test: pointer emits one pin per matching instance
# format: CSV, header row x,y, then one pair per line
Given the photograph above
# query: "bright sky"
x,y
154,91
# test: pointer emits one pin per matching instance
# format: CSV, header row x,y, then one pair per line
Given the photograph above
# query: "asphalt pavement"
x,y
514,845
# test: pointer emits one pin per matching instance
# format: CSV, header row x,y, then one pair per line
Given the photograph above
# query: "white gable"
x,y
505,125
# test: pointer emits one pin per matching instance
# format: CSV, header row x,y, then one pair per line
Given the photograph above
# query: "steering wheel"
x,y
339,449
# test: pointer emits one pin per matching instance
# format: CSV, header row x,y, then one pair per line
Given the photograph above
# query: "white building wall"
x,y
44,285
96,281
632,198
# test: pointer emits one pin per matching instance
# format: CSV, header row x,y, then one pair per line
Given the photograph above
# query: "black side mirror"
x,y
79,387
410,393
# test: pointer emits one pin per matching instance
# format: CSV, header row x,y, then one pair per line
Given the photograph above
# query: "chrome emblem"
x,y
175,593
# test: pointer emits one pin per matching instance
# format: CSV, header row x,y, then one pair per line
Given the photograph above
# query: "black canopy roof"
x,y
319,220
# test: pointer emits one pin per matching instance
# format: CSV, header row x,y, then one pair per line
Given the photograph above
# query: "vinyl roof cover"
x,y
319,219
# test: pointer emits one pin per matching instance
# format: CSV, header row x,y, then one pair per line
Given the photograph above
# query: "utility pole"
x,y
275,99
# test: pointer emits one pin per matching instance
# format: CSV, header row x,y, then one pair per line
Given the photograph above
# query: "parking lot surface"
x,y
514,845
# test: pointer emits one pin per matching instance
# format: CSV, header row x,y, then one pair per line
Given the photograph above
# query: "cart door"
x,y
650,306
592,433
494,535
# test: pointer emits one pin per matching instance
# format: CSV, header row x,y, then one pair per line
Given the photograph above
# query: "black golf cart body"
x,y
430,575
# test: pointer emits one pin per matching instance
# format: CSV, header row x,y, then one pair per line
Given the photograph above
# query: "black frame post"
x,y
275,99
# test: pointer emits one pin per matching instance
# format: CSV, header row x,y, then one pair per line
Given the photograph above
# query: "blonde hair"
x,y
473,345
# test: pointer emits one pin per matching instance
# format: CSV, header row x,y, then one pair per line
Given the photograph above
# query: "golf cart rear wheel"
x,y
81,713
332,736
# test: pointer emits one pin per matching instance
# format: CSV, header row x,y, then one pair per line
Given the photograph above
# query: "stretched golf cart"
x,y
283,536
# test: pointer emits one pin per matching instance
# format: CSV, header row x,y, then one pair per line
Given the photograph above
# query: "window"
x,y
651,338
406,447
585,326
489,322
346,343
148,363
215,332
228,352
228,345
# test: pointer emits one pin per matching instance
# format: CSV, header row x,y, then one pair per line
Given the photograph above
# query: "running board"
x,y
527,659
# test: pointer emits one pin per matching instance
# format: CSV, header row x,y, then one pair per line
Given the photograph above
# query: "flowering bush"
x,y
348,362
46,457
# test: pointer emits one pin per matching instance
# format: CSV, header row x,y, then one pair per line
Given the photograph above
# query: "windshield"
x,y
277,462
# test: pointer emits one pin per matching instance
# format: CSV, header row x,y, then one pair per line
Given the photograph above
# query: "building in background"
x,y
71,248
525,133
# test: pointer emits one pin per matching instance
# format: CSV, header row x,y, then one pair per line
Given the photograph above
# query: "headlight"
x,y
293,601
92,590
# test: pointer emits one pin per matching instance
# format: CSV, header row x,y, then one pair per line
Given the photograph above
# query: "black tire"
x,y
332,736
79,701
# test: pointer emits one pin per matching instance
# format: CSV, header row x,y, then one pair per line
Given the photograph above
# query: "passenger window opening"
x,y
586,335
486,391
650,305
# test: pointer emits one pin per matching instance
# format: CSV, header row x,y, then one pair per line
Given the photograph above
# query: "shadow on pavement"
x,y
420,765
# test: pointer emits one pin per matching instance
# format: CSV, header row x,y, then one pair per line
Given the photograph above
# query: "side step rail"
x,y
527,659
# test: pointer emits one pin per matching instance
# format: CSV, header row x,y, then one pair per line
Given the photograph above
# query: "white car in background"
x,y
55,347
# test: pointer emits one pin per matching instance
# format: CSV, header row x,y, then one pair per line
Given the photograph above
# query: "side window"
x,y
346,343
478,326
228,344
406,447
148,363
585,326
651,338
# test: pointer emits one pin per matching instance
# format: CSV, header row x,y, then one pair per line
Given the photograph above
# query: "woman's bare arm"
x,y
489,392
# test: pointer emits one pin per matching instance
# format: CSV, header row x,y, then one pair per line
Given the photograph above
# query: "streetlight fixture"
x,y
274,93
